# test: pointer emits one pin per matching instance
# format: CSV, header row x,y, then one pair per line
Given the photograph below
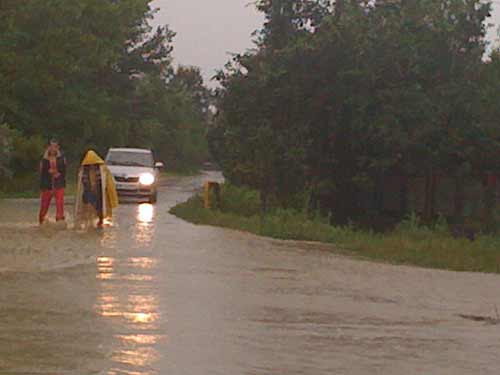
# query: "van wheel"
x,y
153,198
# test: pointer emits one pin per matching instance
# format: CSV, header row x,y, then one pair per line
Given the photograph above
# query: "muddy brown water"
x,y
156,295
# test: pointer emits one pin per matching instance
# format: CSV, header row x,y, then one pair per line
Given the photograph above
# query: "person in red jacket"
x,y
52,181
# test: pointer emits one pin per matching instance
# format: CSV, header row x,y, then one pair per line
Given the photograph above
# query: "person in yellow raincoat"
x,y
96,195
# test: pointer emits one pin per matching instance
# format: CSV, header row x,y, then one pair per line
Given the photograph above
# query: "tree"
x,y
285,19
83,72
371,89
189,80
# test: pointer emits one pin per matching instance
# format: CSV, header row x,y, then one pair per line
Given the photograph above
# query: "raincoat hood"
x,y
91,158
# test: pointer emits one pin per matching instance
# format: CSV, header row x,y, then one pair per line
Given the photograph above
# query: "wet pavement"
x,y
156,295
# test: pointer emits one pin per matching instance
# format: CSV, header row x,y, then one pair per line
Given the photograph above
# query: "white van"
x,y
135,172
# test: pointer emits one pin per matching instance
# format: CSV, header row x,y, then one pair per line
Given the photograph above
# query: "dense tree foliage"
x,y
337,96
93,73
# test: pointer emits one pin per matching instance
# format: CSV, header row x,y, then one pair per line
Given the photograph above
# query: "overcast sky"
x,y
208,30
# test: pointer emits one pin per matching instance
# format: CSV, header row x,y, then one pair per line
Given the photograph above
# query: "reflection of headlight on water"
x,y
147,179
145,213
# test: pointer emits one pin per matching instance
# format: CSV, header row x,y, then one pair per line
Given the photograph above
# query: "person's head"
x,y
54,144
82,158
91,158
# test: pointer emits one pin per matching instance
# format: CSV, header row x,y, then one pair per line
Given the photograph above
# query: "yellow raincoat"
x,y
109,194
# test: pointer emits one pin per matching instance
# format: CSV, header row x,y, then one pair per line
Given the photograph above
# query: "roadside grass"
x,y
19,187
19,195
410,243
27,188
188,172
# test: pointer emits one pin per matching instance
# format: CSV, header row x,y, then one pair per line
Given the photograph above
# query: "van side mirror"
x,y
159,165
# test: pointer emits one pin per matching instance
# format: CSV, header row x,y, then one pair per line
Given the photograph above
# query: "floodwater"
x,y
155,295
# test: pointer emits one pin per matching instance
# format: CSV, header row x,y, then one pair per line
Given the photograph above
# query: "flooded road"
x,y
156,295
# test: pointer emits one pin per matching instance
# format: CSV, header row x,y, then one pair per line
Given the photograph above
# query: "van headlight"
x,y
147,179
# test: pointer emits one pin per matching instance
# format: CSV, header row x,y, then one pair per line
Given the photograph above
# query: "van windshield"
x,y
127,158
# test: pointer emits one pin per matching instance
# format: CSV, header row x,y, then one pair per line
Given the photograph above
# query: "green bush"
x,y
19,158
26,154
240,200
6,135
